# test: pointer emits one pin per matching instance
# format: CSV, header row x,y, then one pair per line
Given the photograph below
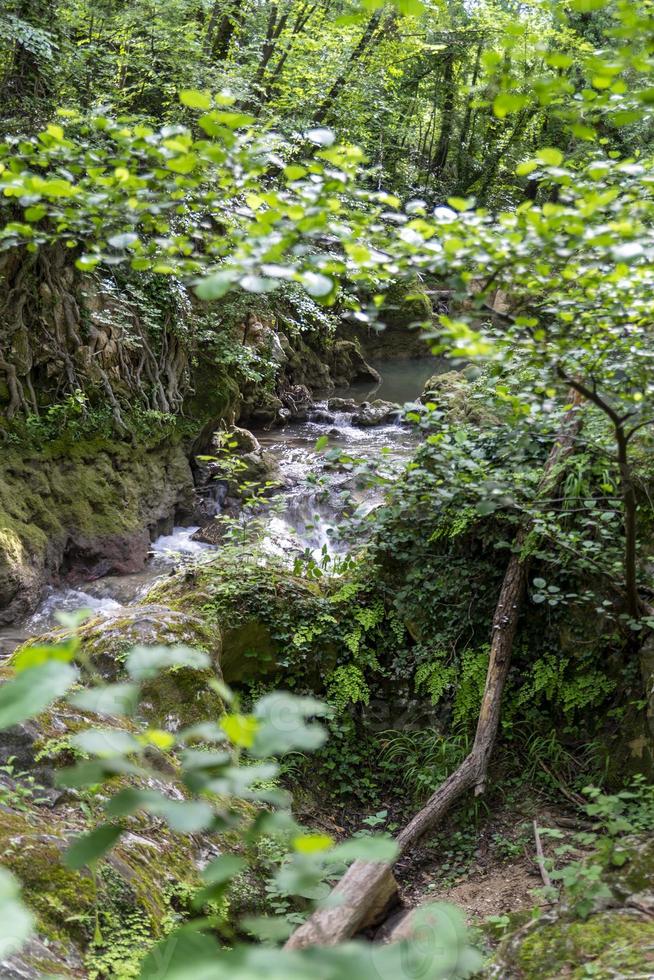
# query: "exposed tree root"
x,y
362,884
54,342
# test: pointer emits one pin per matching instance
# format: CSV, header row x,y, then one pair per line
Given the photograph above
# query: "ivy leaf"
x,y
33,690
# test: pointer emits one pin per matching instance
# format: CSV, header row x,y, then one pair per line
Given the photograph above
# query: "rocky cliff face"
x,y
74,512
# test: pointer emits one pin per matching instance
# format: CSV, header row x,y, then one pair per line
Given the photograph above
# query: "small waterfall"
x,y
304,518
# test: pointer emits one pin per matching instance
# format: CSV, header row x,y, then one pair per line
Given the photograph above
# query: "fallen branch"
x,y
365,881
540,858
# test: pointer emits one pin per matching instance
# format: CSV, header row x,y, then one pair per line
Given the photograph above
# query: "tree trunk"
x,y
364,881
367,40
447,117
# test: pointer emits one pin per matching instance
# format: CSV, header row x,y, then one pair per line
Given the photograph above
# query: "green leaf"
x,y
195,99
321,137
89,848
144,663
284,726
312,843
123,240
321,443
293,172
16,922
508,102
316,284
185,954
258,284
239,729
550,156
410,8
182,816
525,168
111,699
183,164
106,742
215,285
28,694
223,868
267,927
374,848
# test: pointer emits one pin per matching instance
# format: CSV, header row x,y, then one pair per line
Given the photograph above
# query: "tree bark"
x,y
364,881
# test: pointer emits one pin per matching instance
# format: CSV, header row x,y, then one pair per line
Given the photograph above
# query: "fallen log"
x,y
364,882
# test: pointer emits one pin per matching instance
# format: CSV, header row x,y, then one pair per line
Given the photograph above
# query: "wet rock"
x,y
342,405
246,441
262,409
320,415
262,469
297,399
377,412
349,366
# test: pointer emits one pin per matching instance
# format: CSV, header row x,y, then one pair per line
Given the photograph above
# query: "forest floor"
x,y
486,866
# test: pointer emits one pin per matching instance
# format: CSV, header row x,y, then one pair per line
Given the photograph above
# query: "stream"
x,y
301,519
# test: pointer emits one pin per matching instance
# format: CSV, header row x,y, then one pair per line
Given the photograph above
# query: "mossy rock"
x,y
617,940
457,394
87,923
261,611
83,507
609,944
176,697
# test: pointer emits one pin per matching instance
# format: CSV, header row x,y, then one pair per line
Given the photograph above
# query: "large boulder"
x,y
342,405
398,335
176,697
377,412
348,365
266,616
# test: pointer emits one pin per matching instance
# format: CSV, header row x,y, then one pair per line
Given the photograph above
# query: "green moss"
x,y
62,901
609,944
176,697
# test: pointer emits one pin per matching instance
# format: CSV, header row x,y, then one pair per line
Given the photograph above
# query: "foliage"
x,y
223,765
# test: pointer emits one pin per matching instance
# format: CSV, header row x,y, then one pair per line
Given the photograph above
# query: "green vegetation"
x,y
212,214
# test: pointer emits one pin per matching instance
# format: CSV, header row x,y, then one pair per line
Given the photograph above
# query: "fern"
x,y
347,685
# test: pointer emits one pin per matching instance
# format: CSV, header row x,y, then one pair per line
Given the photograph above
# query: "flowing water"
x,y
301,519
